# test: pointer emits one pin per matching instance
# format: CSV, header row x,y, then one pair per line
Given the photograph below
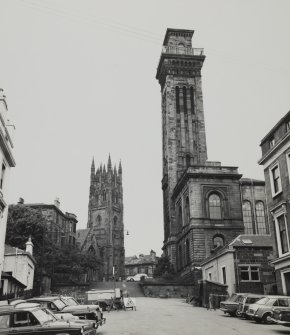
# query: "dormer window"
x,y
272,142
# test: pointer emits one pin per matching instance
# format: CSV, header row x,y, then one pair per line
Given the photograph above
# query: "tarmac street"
x,y
156,316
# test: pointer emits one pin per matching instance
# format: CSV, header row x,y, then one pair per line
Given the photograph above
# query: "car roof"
x,y
44,298
254,295
10,309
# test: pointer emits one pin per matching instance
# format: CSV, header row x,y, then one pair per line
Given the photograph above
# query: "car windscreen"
x,y
239,298
262,301
233,297
70,302
252,300
59,304
43,316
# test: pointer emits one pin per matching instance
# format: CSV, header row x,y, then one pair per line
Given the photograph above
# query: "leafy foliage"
x,y
62,264
164,268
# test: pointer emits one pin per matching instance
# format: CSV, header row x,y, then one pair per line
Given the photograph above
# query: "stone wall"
x,y
169,290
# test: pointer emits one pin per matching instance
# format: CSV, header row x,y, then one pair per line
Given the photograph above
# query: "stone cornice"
x,y
198,173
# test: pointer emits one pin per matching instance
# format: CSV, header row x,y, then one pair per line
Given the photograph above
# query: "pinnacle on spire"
x,y
120,168
115,169
93,165
109,163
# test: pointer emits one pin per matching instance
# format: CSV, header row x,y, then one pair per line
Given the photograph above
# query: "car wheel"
x,y
267,318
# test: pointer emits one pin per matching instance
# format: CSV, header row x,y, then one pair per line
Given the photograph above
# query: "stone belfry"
x,y
183,128
105,217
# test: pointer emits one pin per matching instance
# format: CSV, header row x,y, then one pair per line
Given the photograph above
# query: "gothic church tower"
x,y
105,217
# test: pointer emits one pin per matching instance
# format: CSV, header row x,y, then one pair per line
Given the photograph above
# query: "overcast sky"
x,y
79,77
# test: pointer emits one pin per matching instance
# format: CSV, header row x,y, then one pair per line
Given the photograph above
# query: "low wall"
x,y
168,290
76,291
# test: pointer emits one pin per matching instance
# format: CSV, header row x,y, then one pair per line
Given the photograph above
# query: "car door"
x,y
21,323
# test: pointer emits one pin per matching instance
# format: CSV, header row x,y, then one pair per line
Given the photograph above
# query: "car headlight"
x,y
82,330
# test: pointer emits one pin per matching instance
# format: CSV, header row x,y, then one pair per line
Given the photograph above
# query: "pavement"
x,y
157,316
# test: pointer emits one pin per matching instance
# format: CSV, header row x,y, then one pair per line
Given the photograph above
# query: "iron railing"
x,y
182,51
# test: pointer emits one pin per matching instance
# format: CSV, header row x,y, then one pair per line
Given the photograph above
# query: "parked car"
x,y
137,277
231,305
281,314
245,302
261,311
19,303
71,301
36,321
56,305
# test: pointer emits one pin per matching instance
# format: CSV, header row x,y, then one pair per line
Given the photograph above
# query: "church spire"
x,y
109,163
93,168
120,168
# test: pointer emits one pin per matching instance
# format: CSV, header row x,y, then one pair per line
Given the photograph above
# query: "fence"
x,y
17,295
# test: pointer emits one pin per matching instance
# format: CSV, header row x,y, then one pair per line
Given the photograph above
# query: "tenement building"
x,y
276,162
142,264
105,229
61,226
7,162
206,205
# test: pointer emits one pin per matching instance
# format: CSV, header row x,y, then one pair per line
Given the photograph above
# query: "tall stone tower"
x,y
201,199
183,129
105,217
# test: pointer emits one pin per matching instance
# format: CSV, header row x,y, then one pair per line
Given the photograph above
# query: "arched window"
x,y
187,212
117,197
180,217
214,203
177,99
248,217
218,241
187,253
192,100
260,215
104,196
187,160
99,220
184,100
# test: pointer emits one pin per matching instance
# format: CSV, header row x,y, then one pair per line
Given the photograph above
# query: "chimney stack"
x,y
29,246
57,202
21,201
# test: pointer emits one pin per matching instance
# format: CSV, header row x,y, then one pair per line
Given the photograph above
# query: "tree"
x,y
62,264
22,222
164,268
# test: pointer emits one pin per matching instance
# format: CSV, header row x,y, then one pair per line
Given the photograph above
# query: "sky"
x,y
79,77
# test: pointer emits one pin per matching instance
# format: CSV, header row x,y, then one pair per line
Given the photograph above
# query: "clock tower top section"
x,y
178,38
178,58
